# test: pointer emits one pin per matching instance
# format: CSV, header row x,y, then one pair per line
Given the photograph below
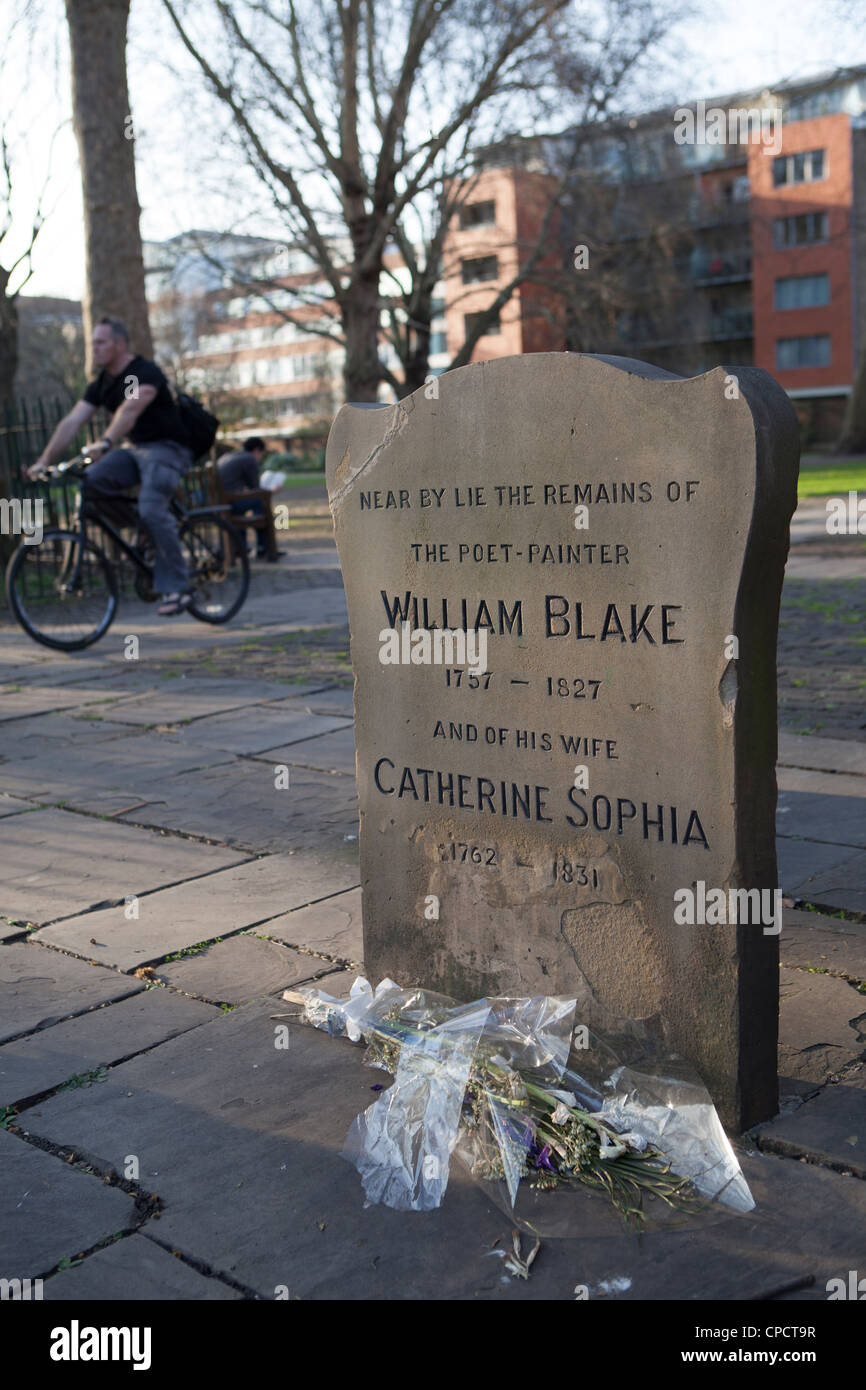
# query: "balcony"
x,y
719,268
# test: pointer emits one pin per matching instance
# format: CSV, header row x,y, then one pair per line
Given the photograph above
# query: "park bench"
x,y
265,522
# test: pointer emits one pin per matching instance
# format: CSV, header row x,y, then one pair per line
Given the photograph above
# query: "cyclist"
x,y
157,456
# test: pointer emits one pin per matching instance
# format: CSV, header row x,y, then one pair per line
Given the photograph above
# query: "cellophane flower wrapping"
x,y
461,1073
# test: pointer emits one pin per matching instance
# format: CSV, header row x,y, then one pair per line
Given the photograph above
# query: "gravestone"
x,y
540,825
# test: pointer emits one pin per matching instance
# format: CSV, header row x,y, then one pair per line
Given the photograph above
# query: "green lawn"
x,y
303,480
821,481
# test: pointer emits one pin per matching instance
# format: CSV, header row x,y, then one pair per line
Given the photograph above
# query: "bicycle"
x,y
64,589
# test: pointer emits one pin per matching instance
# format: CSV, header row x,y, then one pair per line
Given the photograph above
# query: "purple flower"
x,y
542,1159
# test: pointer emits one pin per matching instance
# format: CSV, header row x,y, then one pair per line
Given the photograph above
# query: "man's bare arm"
x,y
62,436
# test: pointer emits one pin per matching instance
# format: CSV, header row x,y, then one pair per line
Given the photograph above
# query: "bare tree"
x,y
350,111
105,135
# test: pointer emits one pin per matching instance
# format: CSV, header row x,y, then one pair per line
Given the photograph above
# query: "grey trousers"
x,y
158,467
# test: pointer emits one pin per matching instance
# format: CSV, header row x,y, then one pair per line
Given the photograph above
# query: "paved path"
x,y
160,890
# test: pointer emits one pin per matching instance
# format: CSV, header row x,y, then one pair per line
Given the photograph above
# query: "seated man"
x,y
240,472
136,394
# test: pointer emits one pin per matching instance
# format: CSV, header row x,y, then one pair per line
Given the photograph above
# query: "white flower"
x,y
561,1114
609,1149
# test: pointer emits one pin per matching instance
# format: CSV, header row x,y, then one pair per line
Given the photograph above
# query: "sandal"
x,y
174,604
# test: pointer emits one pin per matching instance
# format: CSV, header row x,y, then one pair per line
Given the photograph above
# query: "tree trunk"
x,y
8,340
360,315
103,129
852,440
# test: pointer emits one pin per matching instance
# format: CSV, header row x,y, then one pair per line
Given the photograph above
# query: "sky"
x,y
737,45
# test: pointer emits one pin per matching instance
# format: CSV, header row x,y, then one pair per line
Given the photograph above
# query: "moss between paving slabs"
x,y
822,657
314,653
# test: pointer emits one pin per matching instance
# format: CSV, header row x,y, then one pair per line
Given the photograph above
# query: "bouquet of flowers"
x,y
490,1081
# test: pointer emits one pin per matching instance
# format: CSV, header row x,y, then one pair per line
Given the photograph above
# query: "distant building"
x,y
243,321
707,251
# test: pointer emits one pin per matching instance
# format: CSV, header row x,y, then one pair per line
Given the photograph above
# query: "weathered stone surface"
x,y
39,987
822,806
830,1128
241,805
459,512
57,863
132,1269
243,968
812,940
102,1037
12,805
822,1025
172,919
333,926
287,1210
824,754
334,752
49,1210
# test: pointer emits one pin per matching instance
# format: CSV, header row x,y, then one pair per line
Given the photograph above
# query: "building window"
x,y
479,269
477,215
805,167
470,320
799,230
802,291
437,308
803,352
437,343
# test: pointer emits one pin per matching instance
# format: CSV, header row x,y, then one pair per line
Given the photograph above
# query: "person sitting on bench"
x,y
240,472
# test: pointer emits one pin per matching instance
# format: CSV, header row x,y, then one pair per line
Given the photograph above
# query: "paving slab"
x,y
55,734
262,727
824,754
330,753
85,774
174,918
334,702
827,874
240,969
240,805
50,1210
100,1038
188,698
334,927
813,940
132,1269
58,863
63,671
12,805
34,699
822,1025
821,806
40,987
288,1210
829,1128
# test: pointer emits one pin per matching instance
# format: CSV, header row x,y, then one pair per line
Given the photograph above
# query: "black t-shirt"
x,y
159,420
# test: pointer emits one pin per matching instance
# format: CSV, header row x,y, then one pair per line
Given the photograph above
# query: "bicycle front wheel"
x,y
63,593
219,571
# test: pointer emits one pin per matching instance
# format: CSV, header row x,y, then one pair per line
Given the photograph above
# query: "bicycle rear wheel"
x,y
63,595
219,571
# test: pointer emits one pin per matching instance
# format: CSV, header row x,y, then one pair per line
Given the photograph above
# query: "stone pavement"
x,y
160,889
